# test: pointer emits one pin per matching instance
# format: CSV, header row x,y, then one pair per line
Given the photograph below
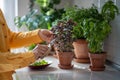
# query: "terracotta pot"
x,y
65,59
97,61
81,51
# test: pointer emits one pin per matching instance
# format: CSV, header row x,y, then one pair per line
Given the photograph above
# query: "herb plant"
x,y
98,28
109,10
63,36
78,15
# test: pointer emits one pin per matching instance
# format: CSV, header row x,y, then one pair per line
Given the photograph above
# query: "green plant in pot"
x,y
97,30
80,44
63,40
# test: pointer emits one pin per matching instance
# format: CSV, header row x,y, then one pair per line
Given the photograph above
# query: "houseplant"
x,y
63,43
80,44
97,29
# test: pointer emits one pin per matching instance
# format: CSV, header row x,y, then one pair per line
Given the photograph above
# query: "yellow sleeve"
x,y
24,38
15,60
9,62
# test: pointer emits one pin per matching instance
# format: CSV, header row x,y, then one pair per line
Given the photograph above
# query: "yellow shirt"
x,y
8,39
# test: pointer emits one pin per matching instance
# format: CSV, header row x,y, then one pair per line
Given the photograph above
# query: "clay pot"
x,y
81,51
65,60
97,61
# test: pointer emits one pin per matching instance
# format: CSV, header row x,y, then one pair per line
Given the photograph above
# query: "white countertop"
x,y
79,72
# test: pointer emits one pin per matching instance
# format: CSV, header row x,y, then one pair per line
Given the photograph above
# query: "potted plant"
x,y
63,43
80,44
97,29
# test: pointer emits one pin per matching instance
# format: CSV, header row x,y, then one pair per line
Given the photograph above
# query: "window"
x,y
9,9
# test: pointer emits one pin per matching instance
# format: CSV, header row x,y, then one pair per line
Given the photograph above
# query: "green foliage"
x,y
109,10
48,10
39,63
31,47
96,31
32,21
78,31
43,19
79,15
98,28
91,24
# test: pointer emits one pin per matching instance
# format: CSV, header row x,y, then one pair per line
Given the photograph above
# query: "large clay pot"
x,y
81,51
65,60
97,61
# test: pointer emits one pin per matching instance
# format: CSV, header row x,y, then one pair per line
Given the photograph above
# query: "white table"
x,y
79,72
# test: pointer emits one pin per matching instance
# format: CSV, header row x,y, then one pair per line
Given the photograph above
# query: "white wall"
x,y
65,3
112,44
22,7
83,3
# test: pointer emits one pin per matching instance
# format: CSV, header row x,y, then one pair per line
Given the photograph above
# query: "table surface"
x,y
79,72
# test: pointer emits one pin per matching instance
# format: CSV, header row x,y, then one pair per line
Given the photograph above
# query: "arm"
x,y
24,38
16,60
19,39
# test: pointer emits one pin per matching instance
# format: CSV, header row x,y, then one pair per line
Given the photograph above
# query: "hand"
x,y
45,35
40,50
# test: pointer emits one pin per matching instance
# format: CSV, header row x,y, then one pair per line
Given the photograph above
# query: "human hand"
x,y
40,50
45,35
